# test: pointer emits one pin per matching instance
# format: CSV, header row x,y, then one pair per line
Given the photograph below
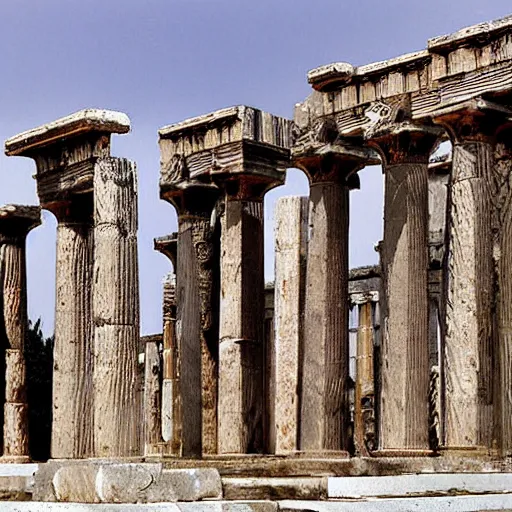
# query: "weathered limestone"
x,y
15,223
502,224
72,156
196,322
152,418
244,152
114,482
115,309
468,346
291,232
364,399
331,165
171,418
405,149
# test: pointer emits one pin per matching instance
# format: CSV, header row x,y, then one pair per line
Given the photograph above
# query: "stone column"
x,y
404,418
66,152
503,252
291,217
115,292
331,165
171,396
364,396
196,321
244,152
15,223
468,348
152,411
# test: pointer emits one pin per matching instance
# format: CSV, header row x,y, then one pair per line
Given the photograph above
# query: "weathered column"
x,y
15,223
364,408
503,252
66,152
468,348
331,165
152,419
404,418
291,216
439,176
196,321
115,309
171,396
243,151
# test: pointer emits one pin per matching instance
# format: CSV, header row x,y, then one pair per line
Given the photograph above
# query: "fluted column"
x,y
72,390
196,317
67,152
241,323
331,165
405,370
15,223
242,152
503,252
469,340
115,295
171,416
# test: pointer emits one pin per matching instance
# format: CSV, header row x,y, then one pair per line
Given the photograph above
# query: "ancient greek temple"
x,y
374,388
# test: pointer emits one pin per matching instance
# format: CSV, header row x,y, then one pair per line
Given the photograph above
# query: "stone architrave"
x,y
244,152
469,339
16,222
66,153
171,415
331,164
291,218
405,149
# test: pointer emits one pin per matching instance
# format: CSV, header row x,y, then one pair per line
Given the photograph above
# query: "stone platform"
x,y
99,485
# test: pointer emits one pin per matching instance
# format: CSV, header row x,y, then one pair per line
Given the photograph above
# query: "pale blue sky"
x,y
162,61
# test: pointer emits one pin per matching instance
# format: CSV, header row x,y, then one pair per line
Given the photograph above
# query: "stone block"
x,y
419,485
274,488
104,482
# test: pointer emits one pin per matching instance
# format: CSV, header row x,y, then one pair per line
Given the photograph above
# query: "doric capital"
x,y
168,246
405,142
16,221
237,143
325,156
65,150
475,120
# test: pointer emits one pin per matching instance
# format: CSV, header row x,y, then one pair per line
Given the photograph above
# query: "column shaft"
x,y
115,309
14,293
503,220
171,396
152,402
72,420
241,327
467,350
324,412
364,388
405,358
291,216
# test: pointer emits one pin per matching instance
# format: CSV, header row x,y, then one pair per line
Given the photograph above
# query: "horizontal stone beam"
x,y
456,68
228,141
84,121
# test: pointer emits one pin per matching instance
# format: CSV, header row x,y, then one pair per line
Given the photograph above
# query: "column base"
x,y
467,451
319,454
403,452
15,459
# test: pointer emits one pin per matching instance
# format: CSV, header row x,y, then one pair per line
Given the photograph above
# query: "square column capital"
x,y
224,145
65,150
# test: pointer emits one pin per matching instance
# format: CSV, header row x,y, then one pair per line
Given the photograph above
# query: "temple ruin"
x,y
295,394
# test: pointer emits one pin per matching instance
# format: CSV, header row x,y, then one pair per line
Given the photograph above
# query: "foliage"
x,y
39,359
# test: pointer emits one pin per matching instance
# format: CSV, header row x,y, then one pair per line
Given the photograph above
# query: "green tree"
x,y
39,359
